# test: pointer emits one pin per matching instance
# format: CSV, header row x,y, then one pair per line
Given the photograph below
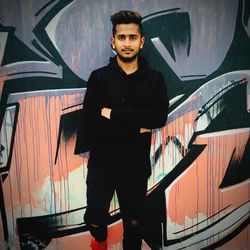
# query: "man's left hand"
x,y
106,112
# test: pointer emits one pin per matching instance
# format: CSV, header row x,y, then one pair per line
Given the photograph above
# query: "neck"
x,y
128,67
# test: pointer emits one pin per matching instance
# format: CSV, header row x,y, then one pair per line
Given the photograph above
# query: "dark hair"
x,y
126,17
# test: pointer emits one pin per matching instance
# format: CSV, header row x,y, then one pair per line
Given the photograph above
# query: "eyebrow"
x,y
127,35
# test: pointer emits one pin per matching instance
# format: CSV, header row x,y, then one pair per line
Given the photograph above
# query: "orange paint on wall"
x,y
197,190
34,154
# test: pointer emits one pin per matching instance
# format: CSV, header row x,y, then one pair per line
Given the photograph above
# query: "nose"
x,y
127,42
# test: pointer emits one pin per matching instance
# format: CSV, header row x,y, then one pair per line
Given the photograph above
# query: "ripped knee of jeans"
x,y
99,232
132,234
98,228
94,225
132,225
134,222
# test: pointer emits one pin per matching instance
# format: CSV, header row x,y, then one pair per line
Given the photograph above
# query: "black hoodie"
x,y
138,100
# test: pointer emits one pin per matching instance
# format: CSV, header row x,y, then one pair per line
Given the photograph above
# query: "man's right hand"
x,y
144,130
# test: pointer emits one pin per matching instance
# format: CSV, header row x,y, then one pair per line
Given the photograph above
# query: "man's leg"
x,y
100,191
131,193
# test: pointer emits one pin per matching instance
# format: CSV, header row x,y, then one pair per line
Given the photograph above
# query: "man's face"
x,y
127,41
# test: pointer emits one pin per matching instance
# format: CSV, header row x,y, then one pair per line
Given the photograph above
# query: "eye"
x,y
121,38
133,37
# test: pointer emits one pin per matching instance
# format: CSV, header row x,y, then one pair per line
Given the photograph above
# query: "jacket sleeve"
x,y
92,105
155,116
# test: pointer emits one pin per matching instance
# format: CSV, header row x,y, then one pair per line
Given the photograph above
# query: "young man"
x,y
124,101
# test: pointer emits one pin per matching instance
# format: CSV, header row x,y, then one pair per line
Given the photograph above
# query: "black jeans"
x,y
131,192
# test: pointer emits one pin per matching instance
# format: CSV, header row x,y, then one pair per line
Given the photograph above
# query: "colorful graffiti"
x,y
199,191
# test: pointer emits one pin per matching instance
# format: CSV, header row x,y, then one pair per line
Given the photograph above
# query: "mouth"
x,y
127,51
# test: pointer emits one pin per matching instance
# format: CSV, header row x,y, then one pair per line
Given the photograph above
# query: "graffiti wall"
x,y
199,191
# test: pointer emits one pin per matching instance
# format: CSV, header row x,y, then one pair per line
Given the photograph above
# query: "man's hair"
x,y
126,17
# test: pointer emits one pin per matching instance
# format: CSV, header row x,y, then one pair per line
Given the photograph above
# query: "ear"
x,y
112,42
142,42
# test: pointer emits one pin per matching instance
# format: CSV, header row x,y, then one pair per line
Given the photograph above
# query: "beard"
x,y
127,59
